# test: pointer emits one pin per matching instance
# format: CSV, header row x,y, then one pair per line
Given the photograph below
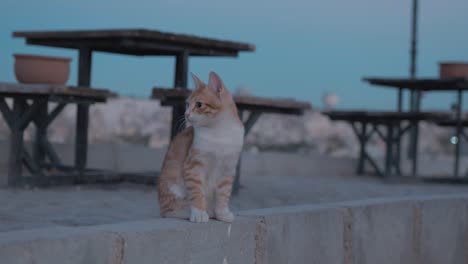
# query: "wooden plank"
x,y
134,47
449,84
277,103
139,34
250,103
380,116
452,123
11,89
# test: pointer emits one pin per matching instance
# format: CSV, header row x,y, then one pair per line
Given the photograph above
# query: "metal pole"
x,y
414,96
414,29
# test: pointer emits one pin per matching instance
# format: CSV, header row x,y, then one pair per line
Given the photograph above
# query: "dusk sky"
x,y
304,48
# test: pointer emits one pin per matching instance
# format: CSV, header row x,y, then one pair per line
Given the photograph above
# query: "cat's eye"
x,y
198,104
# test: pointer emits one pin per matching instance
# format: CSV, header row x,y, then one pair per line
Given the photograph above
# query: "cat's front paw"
x,y
198,216
224,215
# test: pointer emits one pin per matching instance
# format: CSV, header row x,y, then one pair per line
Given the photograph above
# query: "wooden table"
x,y
138,42
251,105
30,105
396,124
458,85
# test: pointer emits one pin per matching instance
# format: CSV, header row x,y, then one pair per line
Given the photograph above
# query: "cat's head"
x,y
208,101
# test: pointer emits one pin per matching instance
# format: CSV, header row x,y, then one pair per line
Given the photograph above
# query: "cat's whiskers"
x,y
181,122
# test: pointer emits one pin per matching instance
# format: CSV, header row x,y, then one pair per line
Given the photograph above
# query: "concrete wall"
x,y
426,229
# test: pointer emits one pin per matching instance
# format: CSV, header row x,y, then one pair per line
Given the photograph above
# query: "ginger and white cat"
x,y
198,169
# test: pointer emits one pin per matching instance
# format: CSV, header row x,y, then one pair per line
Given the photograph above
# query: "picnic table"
x,y
417,86
396,125
136,42
394,122
250,109
30,105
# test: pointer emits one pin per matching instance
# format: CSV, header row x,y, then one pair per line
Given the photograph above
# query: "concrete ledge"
x,y
423,229
299,234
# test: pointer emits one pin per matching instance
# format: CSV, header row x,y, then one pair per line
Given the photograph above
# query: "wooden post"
x,y
248,124
458,134
180,80
362,144
41,135
389,159
82,118
181,70
413,94
15,160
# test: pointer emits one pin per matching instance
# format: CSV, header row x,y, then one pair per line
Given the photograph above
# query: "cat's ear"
x,y
198,83
215,84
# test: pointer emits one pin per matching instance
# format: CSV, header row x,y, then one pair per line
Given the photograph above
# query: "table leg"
x,y
181,70
400,99
81,142
42,122
458,133
236,184
362,145
389,158
15,161
398,138
363,138
414,161
398,149
248,124
41,133
180,81
82,122
414,107
415,134
39,153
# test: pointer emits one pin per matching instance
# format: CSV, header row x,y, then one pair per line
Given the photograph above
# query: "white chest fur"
x,y
222,144
226,138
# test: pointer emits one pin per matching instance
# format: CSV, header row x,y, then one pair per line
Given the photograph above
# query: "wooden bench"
x,y
30,105
416,87
253,105
395,128
455,124
135,42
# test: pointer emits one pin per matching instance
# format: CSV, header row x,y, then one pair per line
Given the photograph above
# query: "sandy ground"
x,y
91,205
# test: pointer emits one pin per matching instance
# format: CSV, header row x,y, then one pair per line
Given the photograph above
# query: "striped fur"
x,y
198,169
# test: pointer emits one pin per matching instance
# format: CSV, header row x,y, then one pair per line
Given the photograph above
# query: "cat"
x,y
199,167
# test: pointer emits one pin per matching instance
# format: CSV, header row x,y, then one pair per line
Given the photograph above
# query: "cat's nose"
x,y
187,114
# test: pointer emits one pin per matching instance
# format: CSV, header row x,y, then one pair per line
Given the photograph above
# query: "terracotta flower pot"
x,y
453,70
41,69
